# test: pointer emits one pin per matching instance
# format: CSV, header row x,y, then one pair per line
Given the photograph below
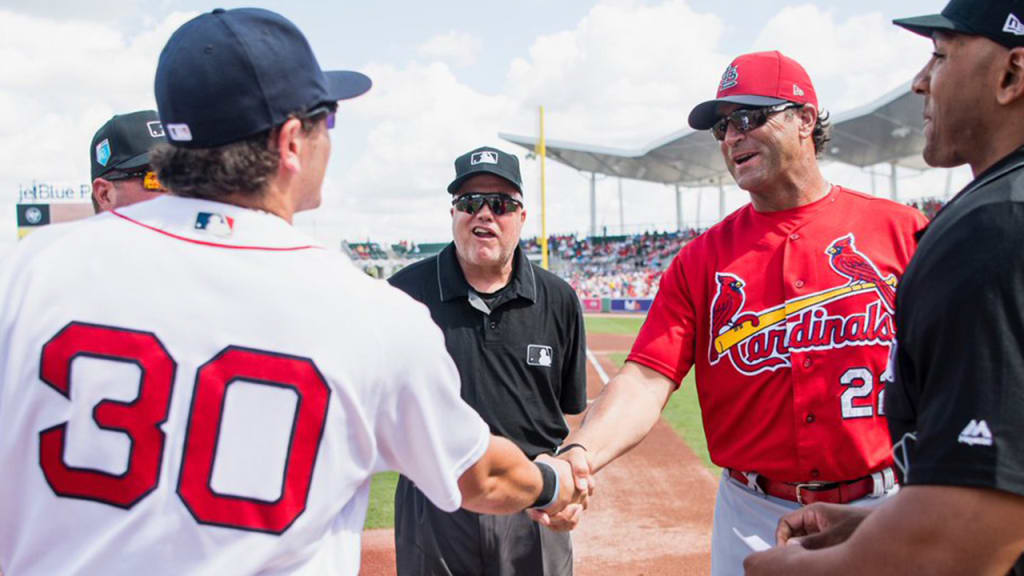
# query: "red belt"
x,y
810,492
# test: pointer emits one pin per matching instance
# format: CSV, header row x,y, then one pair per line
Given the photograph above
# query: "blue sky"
x,y
449,75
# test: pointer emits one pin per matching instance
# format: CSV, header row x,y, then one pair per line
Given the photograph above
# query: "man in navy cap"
x,y
956,407
119,157
225,413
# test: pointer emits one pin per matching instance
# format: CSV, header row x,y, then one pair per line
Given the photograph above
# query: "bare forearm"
x,y
504,481
622,415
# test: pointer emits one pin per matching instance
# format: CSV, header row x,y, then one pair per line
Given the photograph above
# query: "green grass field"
x,y
682,413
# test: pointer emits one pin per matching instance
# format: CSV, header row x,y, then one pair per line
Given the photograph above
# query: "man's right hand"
x,y
819,525
575,472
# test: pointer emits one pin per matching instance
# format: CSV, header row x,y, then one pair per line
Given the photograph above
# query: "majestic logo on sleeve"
x,y
758,341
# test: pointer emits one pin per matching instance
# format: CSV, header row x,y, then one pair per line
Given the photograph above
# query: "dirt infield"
x,y
651,514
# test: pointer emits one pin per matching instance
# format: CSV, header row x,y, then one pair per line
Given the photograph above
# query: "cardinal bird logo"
x,y
858,269
728,301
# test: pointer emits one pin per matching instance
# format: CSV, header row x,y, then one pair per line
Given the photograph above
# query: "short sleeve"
x,y
574,377
423,427
666,341
964,342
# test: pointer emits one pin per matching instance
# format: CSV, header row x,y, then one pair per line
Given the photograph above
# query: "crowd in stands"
x,y
928,206
625,266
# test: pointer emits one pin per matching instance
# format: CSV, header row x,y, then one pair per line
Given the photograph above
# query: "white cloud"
x,y
458,48
627,73
62,79
850,62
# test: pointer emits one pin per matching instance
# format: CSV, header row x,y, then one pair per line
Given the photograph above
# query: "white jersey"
x,y
190,387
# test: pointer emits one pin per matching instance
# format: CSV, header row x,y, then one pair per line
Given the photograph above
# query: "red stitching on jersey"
x,y
213,244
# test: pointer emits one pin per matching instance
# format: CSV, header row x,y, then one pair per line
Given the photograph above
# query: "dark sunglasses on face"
x,y
747,119
498,203
148,176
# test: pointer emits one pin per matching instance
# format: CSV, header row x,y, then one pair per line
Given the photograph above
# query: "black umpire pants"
x,y
432,542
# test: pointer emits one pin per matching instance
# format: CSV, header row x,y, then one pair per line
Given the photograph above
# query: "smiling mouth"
x,y
743,158
483,233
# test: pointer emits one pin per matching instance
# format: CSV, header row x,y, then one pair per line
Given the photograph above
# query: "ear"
x,y
104,195
289,145
1011,82
808,115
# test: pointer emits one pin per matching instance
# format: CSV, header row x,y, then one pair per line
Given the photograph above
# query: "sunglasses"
x,y
329,109
747,119
149,179
498,203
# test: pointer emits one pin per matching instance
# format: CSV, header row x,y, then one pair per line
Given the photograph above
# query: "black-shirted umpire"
x,y
956,406
516,334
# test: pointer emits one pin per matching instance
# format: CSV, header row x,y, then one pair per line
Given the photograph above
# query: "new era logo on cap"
x,y
1013,25
485,157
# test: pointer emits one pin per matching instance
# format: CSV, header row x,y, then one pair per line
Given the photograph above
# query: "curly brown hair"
x,y
242,168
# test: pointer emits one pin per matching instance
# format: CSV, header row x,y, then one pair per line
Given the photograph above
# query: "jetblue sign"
x,y
48,192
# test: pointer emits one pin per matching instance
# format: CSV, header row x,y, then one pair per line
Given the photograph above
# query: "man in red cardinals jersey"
x,y
785,309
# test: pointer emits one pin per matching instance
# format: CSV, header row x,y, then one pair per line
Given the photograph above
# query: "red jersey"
x,y
788,317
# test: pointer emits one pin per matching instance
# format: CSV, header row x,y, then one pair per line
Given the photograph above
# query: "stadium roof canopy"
x,y
888,130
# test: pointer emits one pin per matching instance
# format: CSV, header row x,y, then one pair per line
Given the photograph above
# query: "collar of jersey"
x,y
175,218
452,282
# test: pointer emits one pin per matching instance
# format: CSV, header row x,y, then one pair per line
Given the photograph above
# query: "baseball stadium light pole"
x,y
541,153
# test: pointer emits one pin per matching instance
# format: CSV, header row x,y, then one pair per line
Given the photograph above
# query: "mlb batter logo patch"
x,y
537,355
484,157
216,224
156,129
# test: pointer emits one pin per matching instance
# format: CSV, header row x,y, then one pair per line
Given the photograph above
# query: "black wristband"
x,y
549,486
567,447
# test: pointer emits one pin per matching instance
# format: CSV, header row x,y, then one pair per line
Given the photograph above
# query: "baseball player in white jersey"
x,y
224,412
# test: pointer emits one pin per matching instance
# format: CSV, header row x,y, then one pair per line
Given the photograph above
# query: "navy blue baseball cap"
x,y
230,74
998,20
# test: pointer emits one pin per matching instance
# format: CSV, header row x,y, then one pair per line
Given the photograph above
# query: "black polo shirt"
x,y
523,359
956,408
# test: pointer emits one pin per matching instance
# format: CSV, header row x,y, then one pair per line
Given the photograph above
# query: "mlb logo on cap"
x,y
485,157
486,160
156,129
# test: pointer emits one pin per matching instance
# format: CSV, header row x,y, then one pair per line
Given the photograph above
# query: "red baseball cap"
x,y
757,79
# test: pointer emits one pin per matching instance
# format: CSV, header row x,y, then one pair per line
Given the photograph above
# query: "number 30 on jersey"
x,y
141,420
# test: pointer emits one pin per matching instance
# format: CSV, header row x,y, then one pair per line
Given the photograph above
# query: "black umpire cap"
x,y
123,142
486,160
998,20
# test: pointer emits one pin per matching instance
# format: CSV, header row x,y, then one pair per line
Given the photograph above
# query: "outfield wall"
x,y
617,305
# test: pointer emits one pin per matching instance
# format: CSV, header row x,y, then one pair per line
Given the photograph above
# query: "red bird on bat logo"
x,y
727,302
857,268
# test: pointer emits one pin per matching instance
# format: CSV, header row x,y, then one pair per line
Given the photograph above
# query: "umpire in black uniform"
x,y
956,408
516,334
